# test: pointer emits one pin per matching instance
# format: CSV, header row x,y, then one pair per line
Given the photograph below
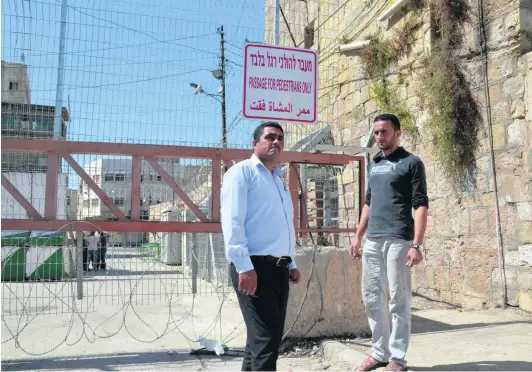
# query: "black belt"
x,y
283,261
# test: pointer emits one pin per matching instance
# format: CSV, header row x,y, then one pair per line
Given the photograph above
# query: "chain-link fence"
x,y
139,72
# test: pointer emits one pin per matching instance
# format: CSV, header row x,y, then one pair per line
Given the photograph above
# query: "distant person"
x,y
102,251
396,186
258,229
85,253
92,242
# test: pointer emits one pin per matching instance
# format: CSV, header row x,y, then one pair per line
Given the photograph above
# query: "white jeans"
x,y
385,259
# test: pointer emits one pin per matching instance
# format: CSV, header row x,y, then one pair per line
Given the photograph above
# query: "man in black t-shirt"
x,y
396,185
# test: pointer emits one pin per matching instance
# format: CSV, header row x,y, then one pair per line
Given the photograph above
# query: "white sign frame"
x,y
280,83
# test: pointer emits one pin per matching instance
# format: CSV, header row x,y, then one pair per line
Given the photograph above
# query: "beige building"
x,y
374,56
15,83
22,119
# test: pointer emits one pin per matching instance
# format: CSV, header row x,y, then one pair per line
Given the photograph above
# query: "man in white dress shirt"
x,y
257,223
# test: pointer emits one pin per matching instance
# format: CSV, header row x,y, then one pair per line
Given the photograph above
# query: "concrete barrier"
x,y
339,277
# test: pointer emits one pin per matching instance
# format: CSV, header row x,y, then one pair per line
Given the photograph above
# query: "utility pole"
x,y
222,67
276,22
60,73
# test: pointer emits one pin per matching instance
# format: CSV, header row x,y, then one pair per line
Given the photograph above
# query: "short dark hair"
x,y
260,129
391,118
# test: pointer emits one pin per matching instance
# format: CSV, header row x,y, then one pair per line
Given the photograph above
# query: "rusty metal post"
x,y
79,263
194,263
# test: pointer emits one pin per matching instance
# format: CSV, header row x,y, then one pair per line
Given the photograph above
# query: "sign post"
x,y
280,83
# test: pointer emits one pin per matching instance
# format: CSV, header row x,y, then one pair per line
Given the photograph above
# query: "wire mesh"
x,y
128,69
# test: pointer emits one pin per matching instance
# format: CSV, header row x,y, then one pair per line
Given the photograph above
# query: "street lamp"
x,y
218,74
199,89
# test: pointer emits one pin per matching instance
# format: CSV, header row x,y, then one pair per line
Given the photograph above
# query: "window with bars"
x,y
118,201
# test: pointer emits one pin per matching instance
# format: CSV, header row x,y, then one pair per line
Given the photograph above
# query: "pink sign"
x,y
280,83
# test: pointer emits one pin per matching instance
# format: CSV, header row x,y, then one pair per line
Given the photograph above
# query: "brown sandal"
x,y
394,366
370,364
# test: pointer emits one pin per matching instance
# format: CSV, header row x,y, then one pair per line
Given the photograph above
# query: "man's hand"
x,y
295,275
247,282
414,257
354,249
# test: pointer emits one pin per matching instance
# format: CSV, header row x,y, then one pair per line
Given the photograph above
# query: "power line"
x,y
234,63
140,32
236,46
123,83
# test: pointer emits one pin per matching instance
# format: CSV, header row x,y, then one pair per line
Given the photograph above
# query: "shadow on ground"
x,y
112,362
479,366
424,325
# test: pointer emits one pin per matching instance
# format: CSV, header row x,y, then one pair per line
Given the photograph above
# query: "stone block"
x,y
361,83
357,115
499,136
500,111
529,93
509,66
513,189
525,254
524,211
511,25
370,107
525,301
477,282
508,160
510,274
495,33
479,220
518,109
480,257
507,219
514,87
525,233
524,278
512,297
364,94
346,177
495,91
464,225
473,303
516,133
511,258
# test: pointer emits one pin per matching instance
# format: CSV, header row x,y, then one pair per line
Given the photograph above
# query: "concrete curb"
x,y
335,351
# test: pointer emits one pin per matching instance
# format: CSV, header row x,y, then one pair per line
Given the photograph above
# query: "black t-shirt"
x,y
103,240
397,183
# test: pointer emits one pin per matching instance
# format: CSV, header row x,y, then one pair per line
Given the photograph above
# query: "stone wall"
x,y
462,264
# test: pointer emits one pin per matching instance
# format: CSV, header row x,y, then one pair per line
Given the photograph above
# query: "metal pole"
x,y
222,65
276,16
60,72
79,263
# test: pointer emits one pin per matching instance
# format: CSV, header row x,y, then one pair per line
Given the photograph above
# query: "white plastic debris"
x,y
211,345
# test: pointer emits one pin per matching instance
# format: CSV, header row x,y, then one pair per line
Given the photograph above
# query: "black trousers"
x,y
85,259
264,314
101,258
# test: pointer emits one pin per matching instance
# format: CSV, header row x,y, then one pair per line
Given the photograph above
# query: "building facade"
x,y
465,262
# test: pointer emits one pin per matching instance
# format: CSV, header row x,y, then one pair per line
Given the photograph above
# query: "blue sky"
x,y
129,64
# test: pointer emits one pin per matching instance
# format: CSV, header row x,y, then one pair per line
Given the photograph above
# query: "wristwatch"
x,y
416,246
